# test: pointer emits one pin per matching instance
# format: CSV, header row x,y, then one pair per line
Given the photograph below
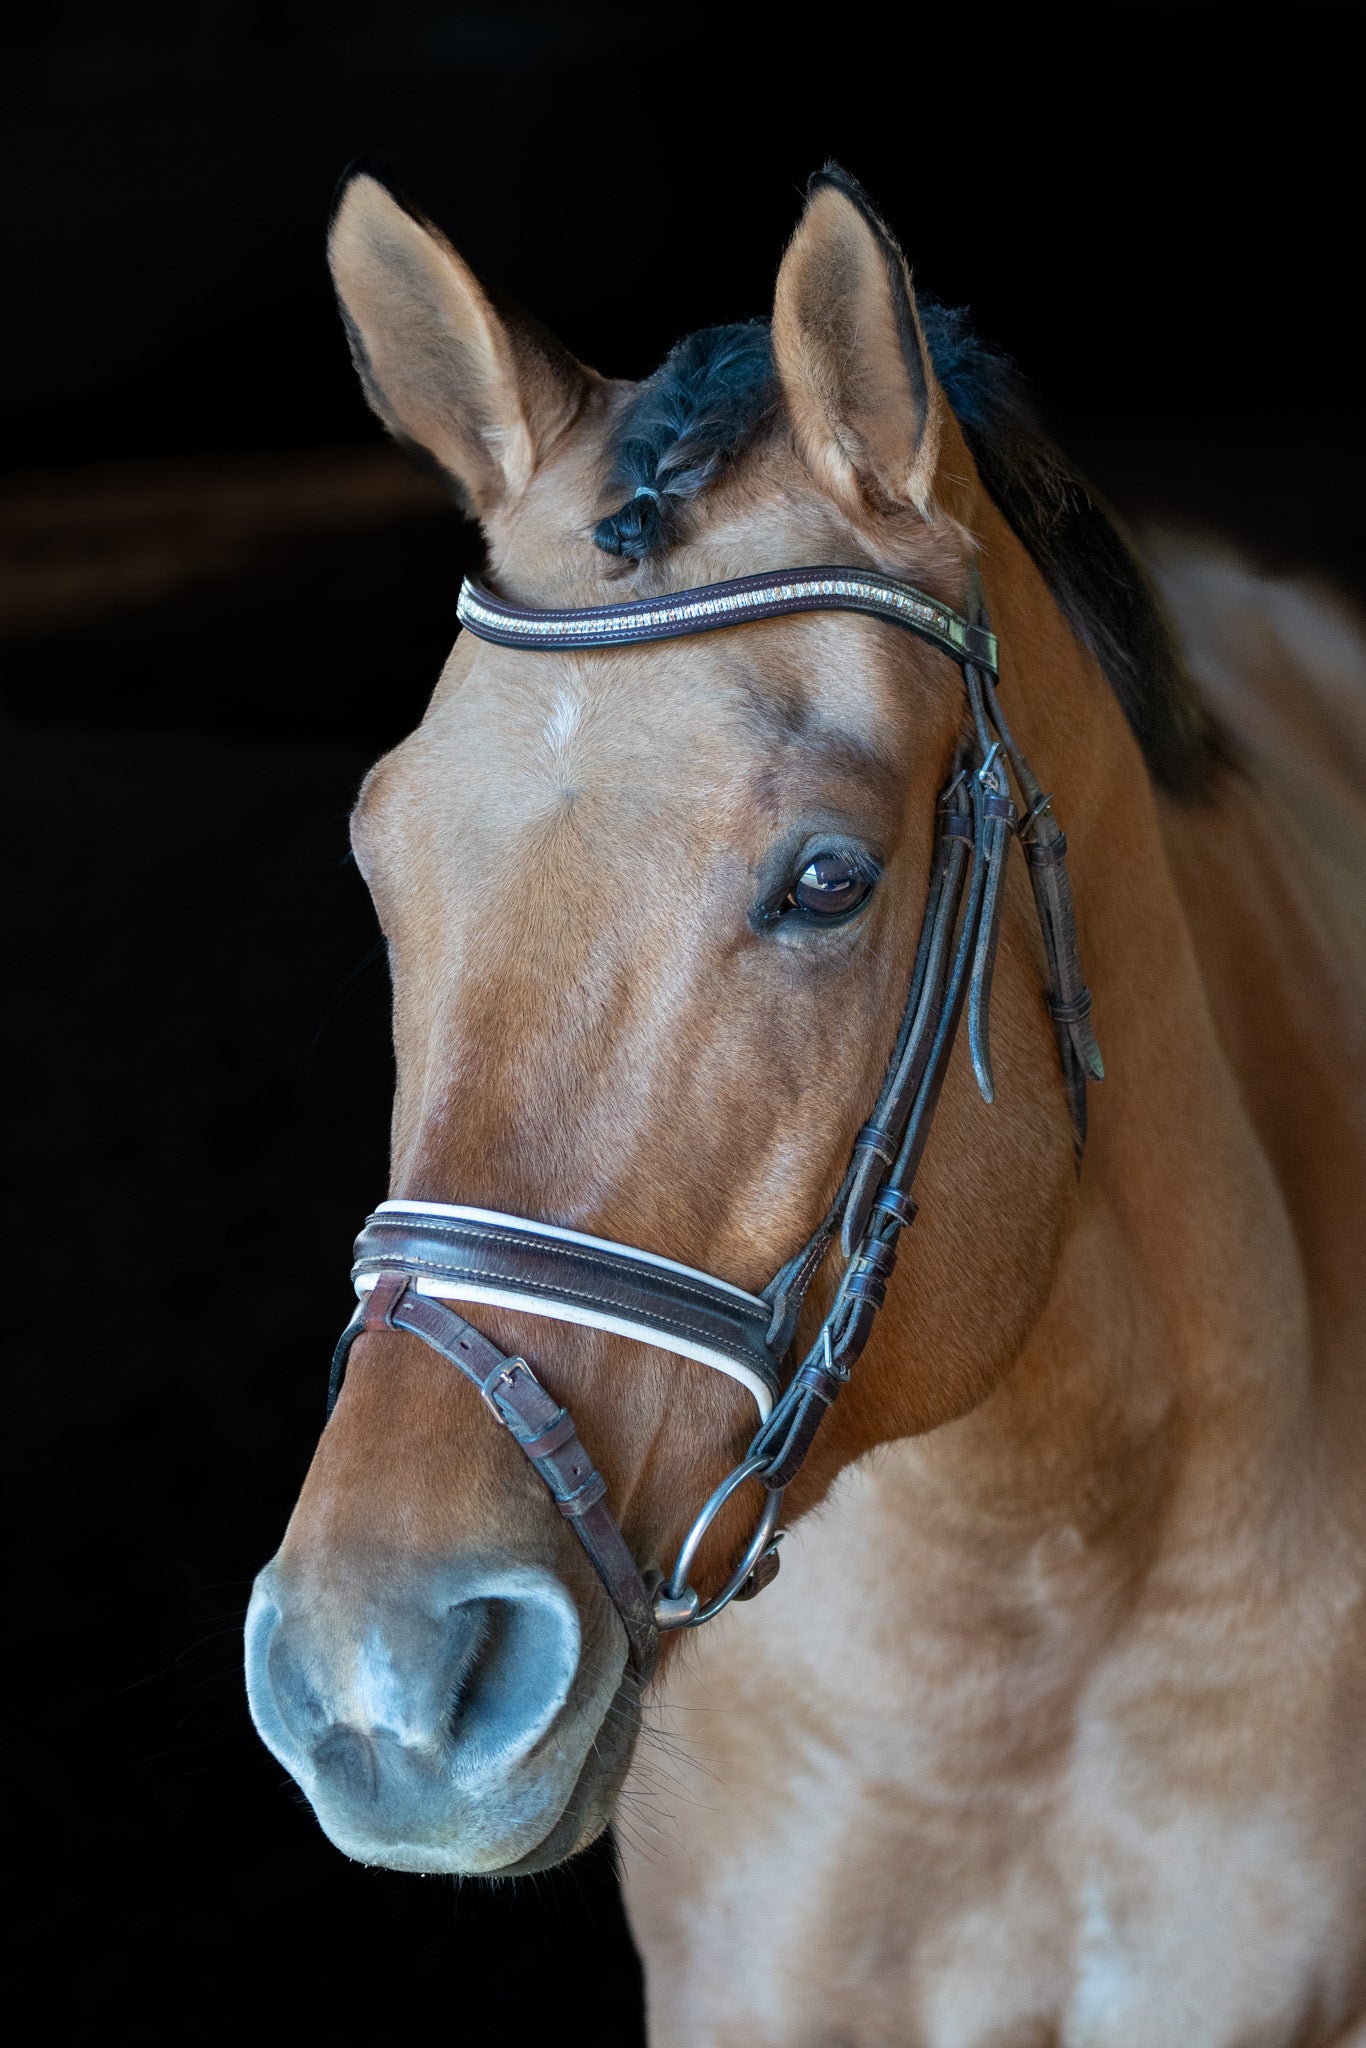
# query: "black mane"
x,y
716,392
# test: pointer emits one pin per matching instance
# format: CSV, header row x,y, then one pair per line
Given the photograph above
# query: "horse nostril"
x,y
455,1677
518,1664
347,1760
436,1718
469,1626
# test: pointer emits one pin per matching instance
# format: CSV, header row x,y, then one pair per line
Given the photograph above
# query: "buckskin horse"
x,y
742,790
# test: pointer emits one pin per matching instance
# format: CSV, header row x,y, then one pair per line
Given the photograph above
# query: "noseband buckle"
x,y
501,1376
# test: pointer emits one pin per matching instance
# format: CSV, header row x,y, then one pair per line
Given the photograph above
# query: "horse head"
x,y
652,912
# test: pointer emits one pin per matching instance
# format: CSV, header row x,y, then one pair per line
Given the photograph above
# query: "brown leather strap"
x,y
543,1431
662,1301
787,1436
879,1142
996,814
1069,999
827,587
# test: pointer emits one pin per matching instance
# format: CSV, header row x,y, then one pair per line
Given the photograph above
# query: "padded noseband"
x,y
458,1254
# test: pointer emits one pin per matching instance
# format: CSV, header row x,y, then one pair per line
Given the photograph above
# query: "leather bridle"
x,y
414,1257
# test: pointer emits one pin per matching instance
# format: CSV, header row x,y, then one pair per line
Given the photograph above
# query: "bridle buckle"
x,y
503,1377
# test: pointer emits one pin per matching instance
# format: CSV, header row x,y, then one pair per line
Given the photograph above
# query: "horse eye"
x,y
829,886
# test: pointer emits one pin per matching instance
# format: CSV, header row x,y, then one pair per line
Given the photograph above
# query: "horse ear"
x,y
851,357
481,390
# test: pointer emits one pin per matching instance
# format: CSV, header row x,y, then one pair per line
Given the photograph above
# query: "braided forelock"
x,y
697,413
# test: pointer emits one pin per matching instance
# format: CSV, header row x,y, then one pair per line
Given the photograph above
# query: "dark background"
x,y
223,596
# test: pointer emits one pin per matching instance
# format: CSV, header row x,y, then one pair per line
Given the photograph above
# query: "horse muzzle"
x,y
444,1723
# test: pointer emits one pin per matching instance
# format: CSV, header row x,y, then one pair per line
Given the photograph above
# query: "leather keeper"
x,y
866,1287
897,1202
584,1497
377,1309
979,645
552,1439
814,1379
1075,1012
872,1138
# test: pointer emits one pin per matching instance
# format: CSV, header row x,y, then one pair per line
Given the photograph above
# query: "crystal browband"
x,y
737,603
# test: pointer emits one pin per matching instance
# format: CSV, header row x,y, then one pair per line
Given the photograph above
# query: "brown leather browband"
x,y
711,606
405,1260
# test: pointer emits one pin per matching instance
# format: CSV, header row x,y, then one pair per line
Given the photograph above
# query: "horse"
x,y
1052,1726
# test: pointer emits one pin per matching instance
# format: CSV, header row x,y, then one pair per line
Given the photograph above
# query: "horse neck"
x,y
1176,1321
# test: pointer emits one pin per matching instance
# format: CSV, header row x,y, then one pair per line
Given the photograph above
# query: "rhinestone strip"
x,y
724,604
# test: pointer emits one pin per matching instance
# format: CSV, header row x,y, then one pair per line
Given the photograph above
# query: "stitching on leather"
x,y
679,614
540,1288
810,1262
476,1234
816,1252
